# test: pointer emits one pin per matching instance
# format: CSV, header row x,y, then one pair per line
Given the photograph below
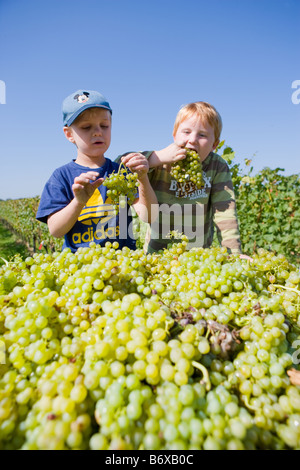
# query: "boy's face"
x,y
195,134
91,132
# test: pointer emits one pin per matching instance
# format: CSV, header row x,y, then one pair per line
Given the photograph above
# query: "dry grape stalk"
x,y
223,340
188,169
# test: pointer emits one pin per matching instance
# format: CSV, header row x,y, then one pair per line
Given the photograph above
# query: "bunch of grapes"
x,y
188,169
109,348
121,187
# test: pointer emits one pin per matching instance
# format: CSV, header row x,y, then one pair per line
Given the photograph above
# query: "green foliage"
x,y
19,215
268,207
10,245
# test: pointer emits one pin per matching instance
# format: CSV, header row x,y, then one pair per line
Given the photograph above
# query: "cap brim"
x,y
80,111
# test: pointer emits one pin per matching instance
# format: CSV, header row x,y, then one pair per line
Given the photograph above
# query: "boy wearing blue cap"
x,y
74,202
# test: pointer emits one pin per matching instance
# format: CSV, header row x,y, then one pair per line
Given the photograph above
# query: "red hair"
x,y
203,111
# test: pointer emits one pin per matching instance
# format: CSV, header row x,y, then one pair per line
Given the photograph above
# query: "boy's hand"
x,y
137,163
174,152
294,376
246,257
85,185
171,154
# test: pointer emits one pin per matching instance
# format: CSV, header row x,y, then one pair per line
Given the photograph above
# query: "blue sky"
x,y
148,58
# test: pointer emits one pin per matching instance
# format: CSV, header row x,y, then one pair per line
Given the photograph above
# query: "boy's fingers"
x,y
98,182
180,145
246,257
136,159
87,177
139,168
77,187
91,174
81,180
130,156
126,158
181,155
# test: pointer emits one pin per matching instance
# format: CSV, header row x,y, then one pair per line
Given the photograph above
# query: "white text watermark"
x,y
296,93
185,219
296,354
2,92
2,352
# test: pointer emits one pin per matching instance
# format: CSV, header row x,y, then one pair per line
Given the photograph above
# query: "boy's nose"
x,y
97,130
192,138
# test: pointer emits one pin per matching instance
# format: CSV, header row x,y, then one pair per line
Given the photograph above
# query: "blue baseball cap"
x,y
81,100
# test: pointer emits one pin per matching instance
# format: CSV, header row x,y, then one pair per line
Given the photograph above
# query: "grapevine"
x,y
188,169
121,186
18,215
268,209
109,348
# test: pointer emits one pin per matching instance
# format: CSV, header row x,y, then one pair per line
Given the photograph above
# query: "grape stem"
x,y
205,374
5,261
251,407
287,288
122,165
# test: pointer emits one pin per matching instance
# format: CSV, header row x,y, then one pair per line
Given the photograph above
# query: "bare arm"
x,y
169,154
146,206
61,222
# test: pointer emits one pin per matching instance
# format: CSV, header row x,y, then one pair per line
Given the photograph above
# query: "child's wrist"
x,y
142,177
78,204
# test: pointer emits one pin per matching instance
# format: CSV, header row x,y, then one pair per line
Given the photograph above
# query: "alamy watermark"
x,y
296,353
187,219
2,352
2,92
296,94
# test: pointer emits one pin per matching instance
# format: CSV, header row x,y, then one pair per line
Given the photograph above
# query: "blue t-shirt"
x,y
96,222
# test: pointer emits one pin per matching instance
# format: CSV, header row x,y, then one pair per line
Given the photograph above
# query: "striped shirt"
x,y
195,211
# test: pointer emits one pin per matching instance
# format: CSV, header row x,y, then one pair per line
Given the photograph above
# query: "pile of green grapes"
x,y
122,187
188,169
108,348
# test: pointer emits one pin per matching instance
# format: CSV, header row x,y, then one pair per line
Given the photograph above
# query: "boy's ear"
x,y
216,144
68,133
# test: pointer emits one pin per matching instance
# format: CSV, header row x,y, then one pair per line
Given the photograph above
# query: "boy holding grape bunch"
x,y
74,202
193,184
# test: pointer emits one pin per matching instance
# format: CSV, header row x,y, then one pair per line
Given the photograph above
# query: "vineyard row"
x,y
268,207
